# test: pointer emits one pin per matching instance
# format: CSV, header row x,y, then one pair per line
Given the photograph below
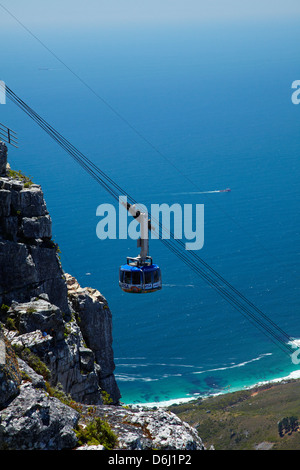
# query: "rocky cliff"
x,y
56,341
44,309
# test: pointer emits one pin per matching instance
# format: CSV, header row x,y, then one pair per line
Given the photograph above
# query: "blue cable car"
x,y
140,275
140,278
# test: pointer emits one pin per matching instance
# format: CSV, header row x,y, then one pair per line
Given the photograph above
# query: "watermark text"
x,y
184,222
296,94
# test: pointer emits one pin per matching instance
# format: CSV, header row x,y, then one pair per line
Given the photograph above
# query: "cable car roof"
x,y
127,267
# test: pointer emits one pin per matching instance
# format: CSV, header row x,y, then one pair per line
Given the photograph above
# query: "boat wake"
x,y
227,190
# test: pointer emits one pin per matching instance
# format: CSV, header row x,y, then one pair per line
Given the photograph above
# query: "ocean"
x,y
177,114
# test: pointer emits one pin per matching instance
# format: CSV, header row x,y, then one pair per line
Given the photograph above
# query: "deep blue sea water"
x,y
215,100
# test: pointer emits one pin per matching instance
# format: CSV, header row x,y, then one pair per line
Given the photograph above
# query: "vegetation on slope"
x,y
262,418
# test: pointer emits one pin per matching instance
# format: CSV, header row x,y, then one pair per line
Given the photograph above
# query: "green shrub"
x,y
106,398
3,312
98,432
10,324
34,362
4,308
59,393
21,177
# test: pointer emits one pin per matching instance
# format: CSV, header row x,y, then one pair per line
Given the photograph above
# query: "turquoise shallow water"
x,y
216,102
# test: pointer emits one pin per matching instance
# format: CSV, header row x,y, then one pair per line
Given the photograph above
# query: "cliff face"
x,y
44,309
29,264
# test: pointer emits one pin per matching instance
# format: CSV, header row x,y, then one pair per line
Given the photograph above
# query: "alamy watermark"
x,y
296,94
296,354
167,221
2,93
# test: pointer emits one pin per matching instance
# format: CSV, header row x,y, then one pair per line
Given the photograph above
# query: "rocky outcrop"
x,y
29,262
46,311
144,429
29,417
34,420
95,320
60,346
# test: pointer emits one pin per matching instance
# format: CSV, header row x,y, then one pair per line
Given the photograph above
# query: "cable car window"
x,y
121,276
156,275
148,277
127,277
136,277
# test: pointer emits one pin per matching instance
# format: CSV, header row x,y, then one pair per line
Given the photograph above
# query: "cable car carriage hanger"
x,y
139,275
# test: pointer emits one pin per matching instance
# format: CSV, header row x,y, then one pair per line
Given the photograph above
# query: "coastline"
x,y
295,375
177,388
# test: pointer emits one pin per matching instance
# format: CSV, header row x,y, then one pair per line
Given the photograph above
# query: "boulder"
x,y
38,314
36,421
145,429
